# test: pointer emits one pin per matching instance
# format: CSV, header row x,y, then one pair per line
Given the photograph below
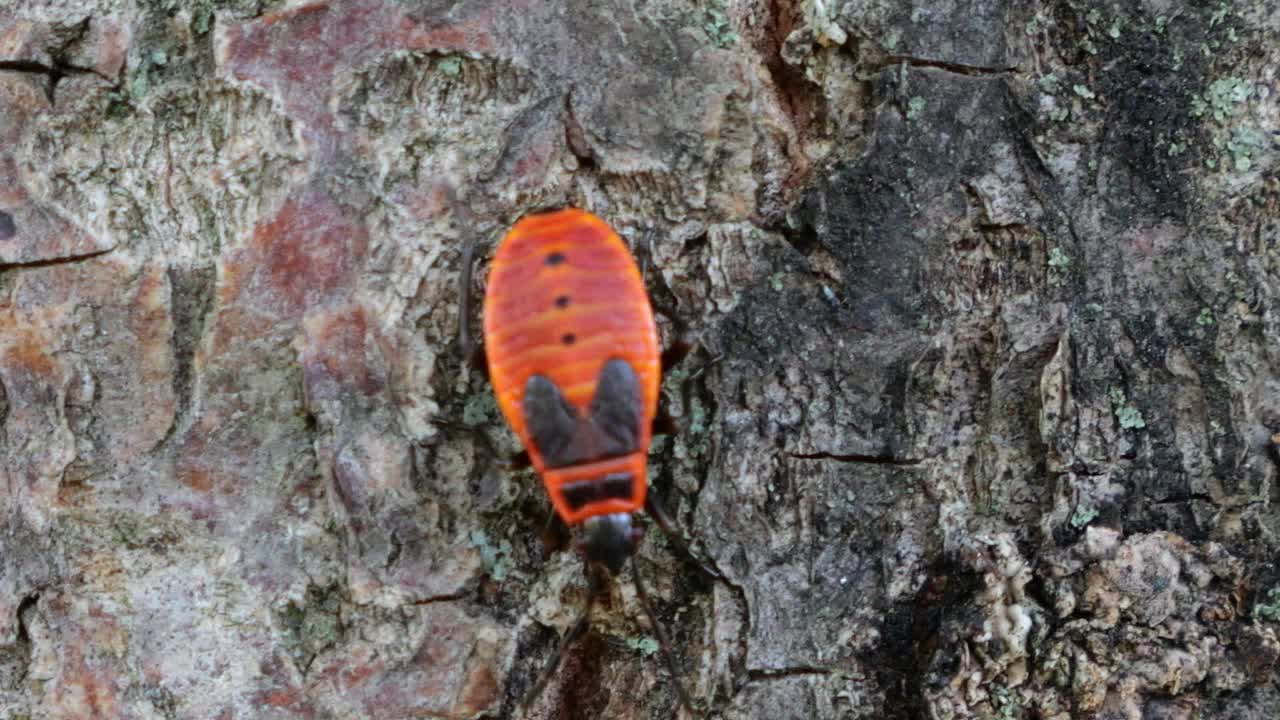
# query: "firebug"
x,y
572,352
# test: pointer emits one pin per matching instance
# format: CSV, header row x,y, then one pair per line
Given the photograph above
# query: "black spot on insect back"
x,y
555,258
562,302
569,338
7,227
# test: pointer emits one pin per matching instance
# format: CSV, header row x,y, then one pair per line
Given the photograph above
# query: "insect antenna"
x,y
664,644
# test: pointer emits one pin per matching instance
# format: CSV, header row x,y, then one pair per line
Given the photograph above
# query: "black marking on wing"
x,y
564,438
615,409
615,486
552,420
578,494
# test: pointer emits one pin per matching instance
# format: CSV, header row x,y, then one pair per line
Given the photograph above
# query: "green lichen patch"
x,y
1129,417
1234,139
163,55
495,556
1008,705
1268,609
1058,259
1224,99
644,645
714,21
1150,77
1084,514
480,409
311,625
693,443
1059,263
202,13
1241,146
915,106
450,65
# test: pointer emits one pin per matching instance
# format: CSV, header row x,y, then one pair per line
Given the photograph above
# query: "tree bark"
x,y
983,419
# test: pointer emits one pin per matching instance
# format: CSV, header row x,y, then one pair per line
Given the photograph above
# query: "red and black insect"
x,y
573,355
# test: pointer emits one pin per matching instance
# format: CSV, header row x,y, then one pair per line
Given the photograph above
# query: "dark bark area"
x,y
983,419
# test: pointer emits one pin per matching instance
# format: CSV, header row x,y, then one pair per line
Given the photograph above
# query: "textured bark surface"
x,y
983,421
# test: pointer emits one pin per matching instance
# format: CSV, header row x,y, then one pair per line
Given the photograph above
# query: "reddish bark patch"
x,y
86,664
309,249
279,698
302,257
196,478
216,487
149,366
286,694
97,695
336,355
26,354
480,692
110,46
294,53
360,674
795,94
455,673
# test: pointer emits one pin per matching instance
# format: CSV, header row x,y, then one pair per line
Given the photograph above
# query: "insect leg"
x,y
478,361
519,461
660,516
464,277
677,351
664,645
663,423
472,351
